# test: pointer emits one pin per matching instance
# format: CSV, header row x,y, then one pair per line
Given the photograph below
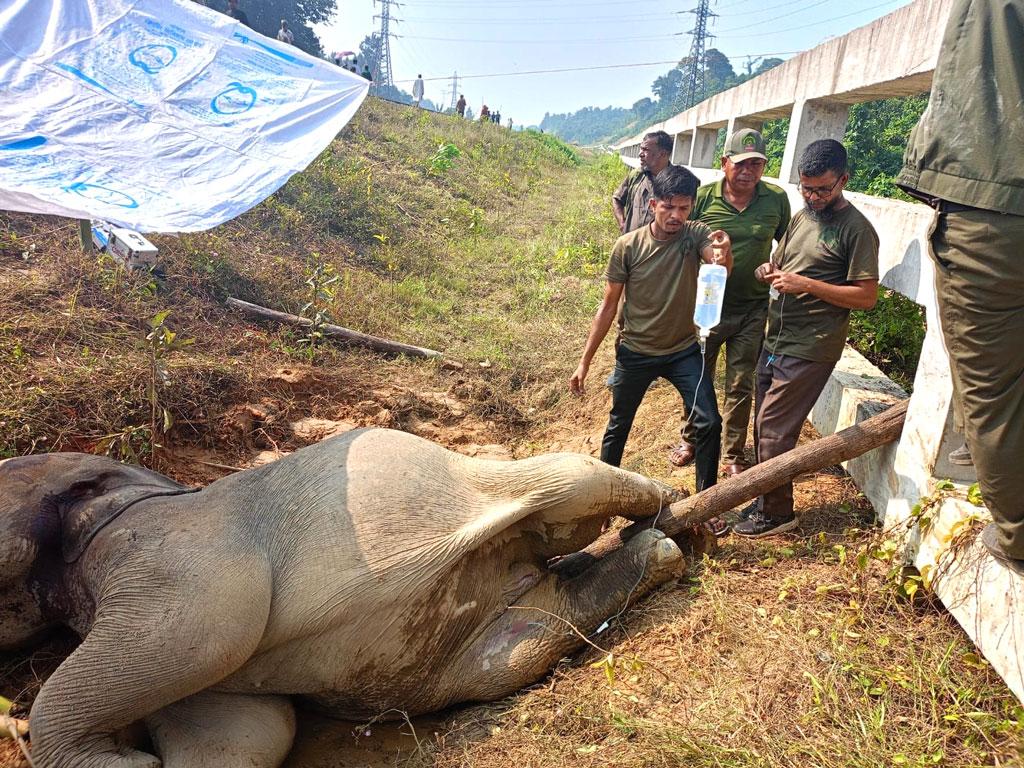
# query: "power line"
x,y
539,42
591,68
817,23
780,16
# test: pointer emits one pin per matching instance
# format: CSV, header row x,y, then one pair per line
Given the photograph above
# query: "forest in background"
x,y
596,125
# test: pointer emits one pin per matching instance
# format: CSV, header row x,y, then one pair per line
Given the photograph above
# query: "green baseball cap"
x,y
743,145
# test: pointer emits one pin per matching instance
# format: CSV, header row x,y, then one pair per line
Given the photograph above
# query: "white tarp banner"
x,y
157,115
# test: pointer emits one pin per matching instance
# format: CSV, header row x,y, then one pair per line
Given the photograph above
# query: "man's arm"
x,y
857,294
719,251
598,330
619,202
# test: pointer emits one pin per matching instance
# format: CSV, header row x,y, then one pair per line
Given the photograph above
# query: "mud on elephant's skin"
x,y
374,571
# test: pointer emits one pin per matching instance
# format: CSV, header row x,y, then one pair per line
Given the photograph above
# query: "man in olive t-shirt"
x,y
656,268
754,213
825,265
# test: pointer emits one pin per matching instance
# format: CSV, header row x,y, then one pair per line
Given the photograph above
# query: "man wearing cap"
x,y
754,213
631,202
964,159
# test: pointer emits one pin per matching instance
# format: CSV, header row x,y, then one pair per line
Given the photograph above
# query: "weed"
x,y
322,287
161,341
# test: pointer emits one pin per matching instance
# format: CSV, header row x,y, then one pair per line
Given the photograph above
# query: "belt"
x,y
946,206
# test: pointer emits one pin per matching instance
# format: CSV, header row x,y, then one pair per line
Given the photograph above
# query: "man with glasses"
x,y
964,159
631,202
754,213
825,265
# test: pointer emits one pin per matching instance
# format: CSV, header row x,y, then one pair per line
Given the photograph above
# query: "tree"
x,y
669,87
718,72
265,17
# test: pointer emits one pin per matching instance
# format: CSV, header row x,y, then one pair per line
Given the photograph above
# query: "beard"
x,y
826,214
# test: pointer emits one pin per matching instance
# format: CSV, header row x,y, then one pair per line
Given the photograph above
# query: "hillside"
x,y
808,649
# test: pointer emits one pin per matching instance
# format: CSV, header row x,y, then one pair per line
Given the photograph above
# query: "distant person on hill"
x,y
510,123
963,159
655,269
485,114
825,265
753,213
237,13
496,118
460,106
366,72
417,90
284,34
631,201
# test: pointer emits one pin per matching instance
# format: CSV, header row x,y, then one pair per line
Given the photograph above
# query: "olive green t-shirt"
x,y
660,278
634,195
751,231
838,252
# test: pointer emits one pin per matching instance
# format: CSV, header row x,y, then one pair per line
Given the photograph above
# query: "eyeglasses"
x,y
818,191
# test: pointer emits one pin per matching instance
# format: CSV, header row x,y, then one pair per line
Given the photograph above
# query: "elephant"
x,y
374,572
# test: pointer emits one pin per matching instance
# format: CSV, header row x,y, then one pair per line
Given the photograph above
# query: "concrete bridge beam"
x,y
739,123
682,148
810,121
702,152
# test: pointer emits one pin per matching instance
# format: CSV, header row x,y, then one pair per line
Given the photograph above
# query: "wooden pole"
x,y
85,235
335,331
818,454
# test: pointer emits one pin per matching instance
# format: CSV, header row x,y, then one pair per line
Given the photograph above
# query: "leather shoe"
x,y
681,455
731,470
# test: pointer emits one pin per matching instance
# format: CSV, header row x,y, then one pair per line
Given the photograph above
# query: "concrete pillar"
x,y
739,123
811,120
682,147
702,153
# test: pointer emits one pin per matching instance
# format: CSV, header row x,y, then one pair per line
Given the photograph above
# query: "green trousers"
x,y
741,333
979,280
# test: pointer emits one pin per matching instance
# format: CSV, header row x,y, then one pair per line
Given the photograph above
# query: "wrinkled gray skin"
x,y
371,572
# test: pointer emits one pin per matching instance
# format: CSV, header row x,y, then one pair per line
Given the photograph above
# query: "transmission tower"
x,y
382,73
693,77
455,91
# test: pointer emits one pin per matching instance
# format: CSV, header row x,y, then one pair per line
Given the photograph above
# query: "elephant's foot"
x,y
224,730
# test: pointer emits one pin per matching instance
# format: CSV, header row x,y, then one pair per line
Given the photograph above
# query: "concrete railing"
x,y
815,90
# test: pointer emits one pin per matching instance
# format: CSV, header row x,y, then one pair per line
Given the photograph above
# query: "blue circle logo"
x,y
152,58
103,194
233,100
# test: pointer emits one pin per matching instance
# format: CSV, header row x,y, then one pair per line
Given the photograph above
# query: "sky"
x,y
496,44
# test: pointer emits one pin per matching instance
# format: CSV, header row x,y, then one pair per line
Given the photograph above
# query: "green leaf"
x,y
974,495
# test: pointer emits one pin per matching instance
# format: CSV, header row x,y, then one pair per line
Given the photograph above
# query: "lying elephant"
x,y
371,572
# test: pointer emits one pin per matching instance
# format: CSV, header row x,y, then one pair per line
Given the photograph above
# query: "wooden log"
x,y
334,331
846,444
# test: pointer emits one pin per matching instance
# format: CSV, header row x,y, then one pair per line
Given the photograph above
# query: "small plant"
x,y
322,286
116,278
444,158
160,341
128,445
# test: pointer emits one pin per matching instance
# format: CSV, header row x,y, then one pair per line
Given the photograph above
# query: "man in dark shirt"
x,y
964,160
631,202
237,13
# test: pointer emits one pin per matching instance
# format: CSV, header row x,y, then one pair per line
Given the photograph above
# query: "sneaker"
x,y
746,512
758,525
961,456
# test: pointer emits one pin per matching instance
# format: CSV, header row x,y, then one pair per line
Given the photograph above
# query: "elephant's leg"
x,y
224,730
531,636
160,634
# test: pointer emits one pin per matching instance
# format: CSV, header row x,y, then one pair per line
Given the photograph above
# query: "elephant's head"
x,y
51,507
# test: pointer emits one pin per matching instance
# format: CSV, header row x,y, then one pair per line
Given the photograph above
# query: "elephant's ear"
x,y
95,491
